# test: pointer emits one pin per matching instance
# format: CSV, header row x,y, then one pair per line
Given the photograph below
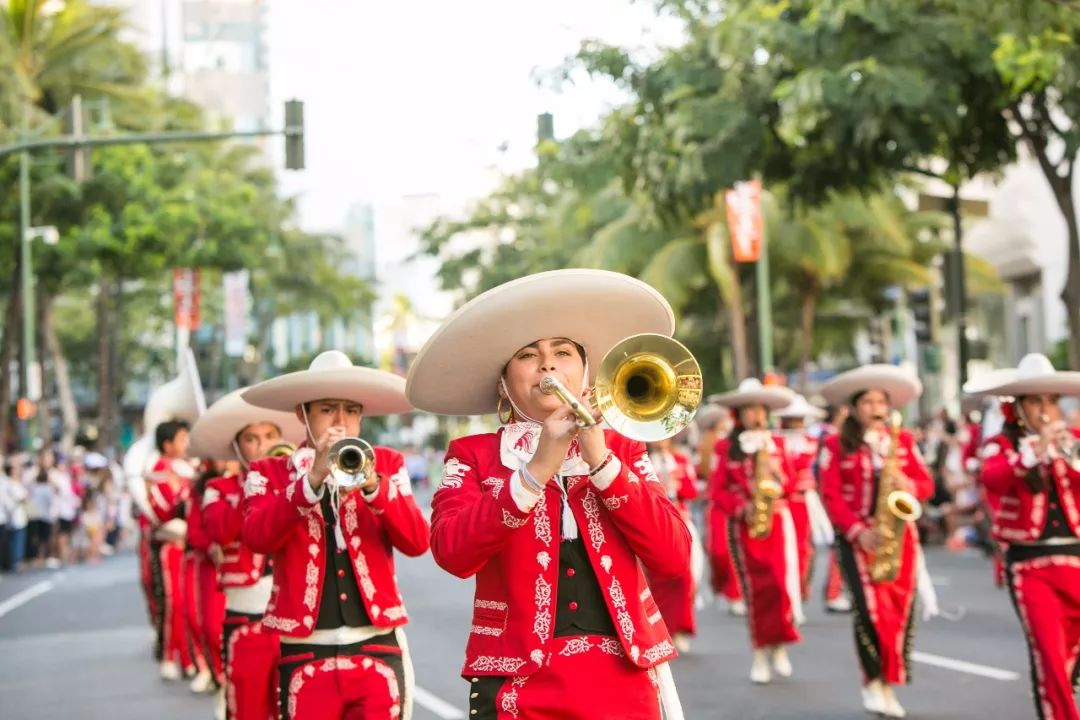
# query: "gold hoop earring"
x,y
499,411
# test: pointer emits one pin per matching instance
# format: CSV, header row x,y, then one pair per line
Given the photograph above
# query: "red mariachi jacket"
x,y
224,520
732,483
802,451
1021,513
478,529
847,482
280,522
165,494
198,539
684,477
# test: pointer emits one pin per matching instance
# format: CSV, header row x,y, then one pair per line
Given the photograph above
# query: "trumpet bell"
x,y
648,387
282,449
351,460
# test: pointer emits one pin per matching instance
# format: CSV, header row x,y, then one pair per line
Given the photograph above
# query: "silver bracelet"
x,y
530,482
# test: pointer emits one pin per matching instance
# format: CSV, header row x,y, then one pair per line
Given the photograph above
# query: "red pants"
x,y
724,581
587,678
206,611
1046,595
834,581
762,572
175,641
883,612
800,517
149,576
251,655
327,682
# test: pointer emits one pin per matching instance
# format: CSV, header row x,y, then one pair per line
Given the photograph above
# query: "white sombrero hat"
x,y
332,376
457,370
710,414
899,384
1034,374
800,408
213,434
752,392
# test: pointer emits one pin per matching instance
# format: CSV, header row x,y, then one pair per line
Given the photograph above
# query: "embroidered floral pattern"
x,y
509,699
484,630
498,665
394,612
363,575
290,491
350,517
658,651
592,513
576,646
453,472
543,559
537,656
622,617
605,562
645,468
611,646
615,502
542,622
255,484
490,605
280,624
302,460
494,484
542,522
311,583
511,521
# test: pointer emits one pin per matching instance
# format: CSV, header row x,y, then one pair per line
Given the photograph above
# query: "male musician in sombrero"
x,y
330,519
552,514
873,483
1033,469
232,429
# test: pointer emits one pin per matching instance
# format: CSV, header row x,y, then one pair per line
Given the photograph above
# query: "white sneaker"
x,y
202,682
893,708
760,673
682,642
873,698
53,563
219,704
781,663
737,608
170,671
841,604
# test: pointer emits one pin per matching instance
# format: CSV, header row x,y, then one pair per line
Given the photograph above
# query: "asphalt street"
x,y
75,643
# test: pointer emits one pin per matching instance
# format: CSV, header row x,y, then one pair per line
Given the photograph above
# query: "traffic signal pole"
x,y
30,375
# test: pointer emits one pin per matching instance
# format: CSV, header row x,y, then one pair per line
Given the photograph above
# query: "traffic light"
x,y
294,135
920,303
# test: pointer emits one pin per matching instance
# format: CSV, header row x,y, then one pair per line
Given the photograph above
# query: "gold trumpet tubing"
x,y
346,470
550,385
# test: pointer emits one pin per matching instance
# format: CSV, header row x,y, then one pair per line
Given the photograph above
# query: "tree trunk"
x,y
1070,294
69,411
739,357
106,420
45,407
809,305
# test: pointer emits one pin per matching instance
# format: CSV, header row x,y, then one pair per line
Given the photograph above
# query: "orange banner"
x,y
744,220
186,298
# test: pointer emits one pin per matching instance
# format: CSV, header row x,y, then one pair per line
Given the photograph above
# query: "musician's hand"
x,y
1048,437
558,430
869,539
320,469
591,440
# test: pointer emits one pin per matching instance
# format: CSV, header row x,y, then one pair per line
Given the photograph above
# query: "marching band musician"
x,y
552,518
1033,469
837,599
854,466
675,594
716,423
168,488
807,513
752,465
205,601
235,430
330,534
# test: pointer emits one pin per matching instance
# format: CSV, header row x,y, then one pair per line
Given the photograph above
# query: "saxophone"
x,y
766,491
895,509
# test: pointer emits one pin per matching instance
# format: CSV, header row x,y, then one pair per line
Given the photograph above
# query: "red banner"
x,y
186,298
744,220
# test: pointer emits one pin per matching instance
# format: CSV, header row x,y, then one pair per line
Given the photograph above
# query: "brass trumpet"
x,y
281,449
648,388
1066,443
351,460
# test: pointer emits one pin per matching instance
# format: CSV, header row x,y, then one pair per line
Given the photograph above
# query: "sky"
x,y
408,98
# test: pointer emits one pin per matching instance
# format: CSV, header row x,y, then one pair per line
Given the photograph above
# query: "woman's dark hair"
x,y
1013,431
851,432
735,451
167,432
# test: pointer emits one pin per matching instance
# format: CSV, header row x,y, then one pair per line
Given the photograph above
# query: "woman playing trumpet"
x,y
553,519
1033,469
864,467
752,483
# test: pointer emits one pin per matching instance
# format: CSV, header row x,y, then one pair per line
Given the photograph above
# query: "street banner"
x,y
744,220
236,312
186,298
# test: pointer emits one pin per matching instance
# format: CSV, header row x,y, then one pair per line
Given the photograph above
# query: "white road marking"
x,y
24,596
436,705
965,667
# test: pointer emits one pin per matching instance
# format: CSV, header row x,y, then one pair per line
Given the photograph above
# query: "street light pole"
x,y
28,380
764,309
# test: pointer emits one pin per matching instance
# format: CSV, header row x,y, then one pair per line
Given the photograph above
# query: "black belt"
x,y
1022,553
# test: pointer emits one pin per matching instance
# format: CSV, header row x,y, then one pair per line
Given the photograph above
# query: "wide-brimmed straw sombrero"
x,y
1034,375
212,436
800,408
458,369
901,385
751,392
332,376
